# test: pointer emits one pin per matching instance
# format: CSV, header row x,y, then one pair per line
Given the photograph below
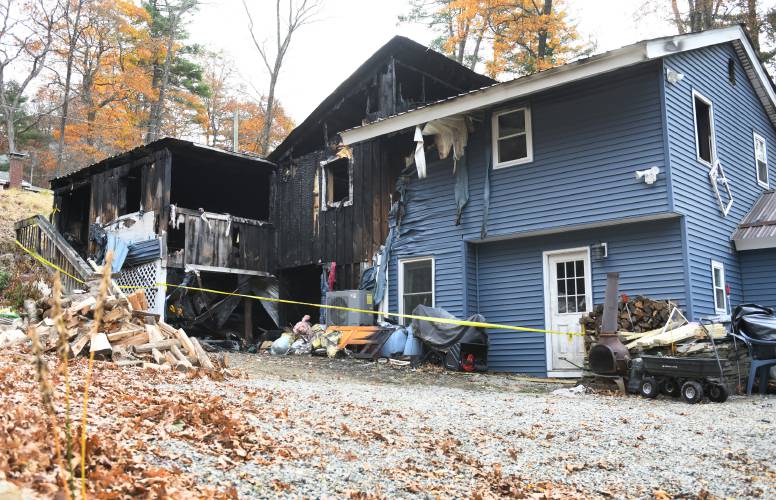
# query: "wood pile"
x,y
128,335
639,314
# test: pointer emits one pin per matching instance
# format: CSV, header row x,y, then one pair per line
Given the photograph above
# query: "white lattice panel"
x,y
146,276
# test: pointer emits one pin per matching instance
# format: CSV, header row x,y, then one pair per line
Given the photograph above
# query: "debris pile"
x,y
657,327
128,334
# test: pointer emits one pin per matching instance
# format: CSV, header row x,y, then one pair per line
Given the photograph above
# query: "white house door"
x,y
568,297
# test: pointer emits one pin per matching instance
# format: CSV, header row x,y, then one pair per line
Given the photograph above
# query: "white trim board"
x,y
577,227
575,71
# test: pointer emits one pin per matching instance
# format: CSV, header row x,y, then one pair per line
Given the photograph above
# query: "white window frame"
x,y
757,137
402,262
325,205
528,138
718,308
713,152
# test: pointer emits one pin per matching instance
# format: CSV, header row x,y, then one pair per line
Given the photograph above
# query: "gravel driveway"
x,y
354,430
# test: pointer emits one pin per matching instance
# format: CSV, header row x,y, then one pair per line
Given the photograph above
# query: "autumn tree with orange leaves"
x,y
511,37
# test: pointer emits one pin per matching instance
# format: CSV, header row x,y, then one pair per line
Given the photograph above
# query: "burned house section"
x,y
333,203
180,213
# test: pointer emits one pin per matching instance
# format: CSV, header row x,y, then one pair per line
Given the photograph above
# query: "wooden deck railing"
x,y
37,234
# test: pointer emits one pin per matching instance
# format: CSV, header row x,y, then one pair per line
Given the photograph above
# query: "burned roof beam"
x,y
458,90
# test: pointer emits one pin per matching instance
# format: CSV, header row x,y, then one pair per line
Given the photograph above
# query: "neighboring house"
x,y
331,209
610,163
5,181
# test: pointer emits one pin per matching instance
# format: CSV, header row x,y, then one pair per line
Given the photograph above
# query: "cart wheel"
x,y
718,393
650,388
670,387
692,392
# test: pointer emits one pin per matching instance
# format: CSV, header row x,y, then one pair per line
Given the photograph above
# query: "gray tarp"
x,y
443,336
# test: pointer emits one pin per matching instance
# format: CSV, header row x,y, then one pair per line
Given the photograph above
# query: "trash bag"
x,y
756,322
395,343
281,346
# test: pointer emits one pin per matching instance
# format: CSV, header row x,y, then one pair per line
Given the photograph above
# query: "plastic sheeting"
x,y
756,322
443,336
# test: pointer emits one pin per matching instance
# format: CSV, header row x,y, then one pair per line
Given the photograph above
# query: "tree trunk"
x,y
753,24
11,133
542,46
68,75
270,112
678,21
156,110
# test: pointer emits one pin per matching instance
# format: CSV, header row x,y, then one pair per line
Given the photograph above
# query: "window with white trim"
x,y
416,284
512,141
718,285
761,159
704,128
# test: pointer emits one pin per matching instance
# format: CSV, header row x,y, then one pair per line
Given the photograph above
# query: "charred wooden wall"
x,y
211,243
109,196
347,235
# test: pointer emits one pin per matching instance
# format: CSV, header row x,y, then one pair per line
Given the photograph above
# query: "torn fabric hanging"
x,y
451,132
420,154
461,189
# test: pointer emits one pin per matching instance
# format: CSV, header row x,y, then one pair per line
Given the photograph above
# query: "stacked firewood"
x,y
128,334
639,314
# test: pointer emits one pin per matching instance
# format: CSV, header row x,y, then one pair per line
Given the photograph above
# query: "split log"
x,y
158,357
137,339
204,359
129,362
83,306
183,364
78,344
154,335
179,334
127,330
138,300
162,345
10,338
101,348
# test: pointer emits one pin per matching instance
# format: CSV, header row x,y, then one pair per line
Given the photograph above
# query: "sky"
x,y
347,32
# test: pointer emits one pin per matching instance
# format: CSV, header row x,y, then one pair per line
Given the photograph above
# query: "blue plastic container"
x,y
395,343
413,347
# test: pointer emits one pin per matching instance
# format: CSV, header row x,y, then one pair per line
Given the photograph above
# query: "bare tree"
x,y
299,15
73,33
26,38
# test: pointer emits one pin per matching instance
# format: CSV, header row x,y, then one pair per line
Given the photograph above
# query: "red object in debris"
x,y
727,289
467,363
625,298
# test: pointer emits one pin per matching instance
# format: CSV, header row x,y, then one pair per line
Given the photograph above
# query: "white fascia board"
x,y
692,41
500,93
755,243
682,43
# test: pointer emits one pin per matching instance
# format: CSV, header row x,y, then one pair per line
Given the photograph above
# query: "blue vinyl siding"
x,y
647,255
758,269
737,114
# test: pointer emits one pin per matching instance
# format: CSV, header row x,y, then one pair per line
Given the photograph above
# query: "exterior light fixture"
x,y
673,76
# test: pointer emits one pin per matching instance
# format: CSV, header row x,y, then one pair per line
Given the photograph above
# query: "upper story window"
x,y
718,283
761,160
512,142
704,128
337,183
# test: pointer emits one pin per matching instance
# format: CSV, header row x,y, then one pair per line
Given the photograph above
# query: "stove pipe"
x,y
609,356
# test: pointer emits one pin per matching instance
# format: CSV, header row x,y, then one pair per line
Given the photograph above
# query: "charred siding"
x,y
347,235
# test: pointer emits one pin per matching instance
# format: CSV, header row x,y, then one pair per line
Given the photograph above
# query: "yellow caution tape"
x,y
449,321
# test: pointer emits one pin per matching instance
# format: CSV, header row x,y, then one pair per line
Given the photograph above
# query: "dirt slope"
x,y
16,205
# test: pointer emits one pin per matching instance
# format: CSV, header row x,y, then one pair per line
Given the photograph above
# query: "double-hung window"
x,y
416,284
761,160
718,284
704,128
512,141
